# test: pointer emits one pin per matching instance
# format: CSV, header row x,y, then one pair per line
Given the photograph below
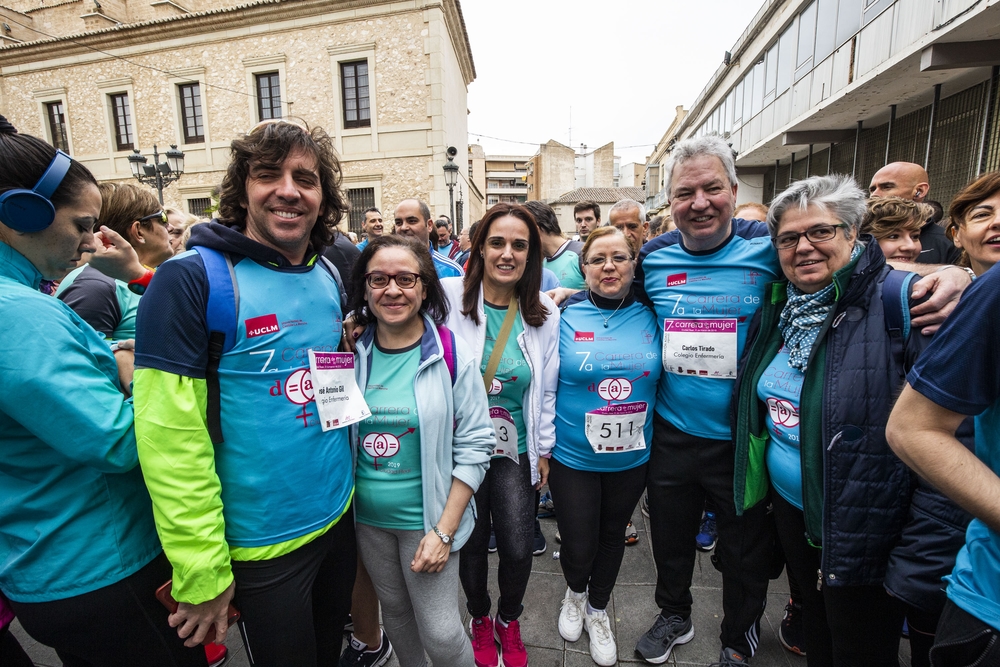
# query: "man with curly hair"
x,y
252,499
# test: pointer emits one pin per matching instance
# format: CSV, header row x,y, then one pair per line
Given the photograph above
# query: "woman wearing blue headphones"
x,y
80,561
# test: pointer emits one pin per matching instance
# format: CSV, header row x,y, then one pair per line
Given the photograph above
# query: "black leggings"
x,y
593,509
849,626
119,625
508,498
294,607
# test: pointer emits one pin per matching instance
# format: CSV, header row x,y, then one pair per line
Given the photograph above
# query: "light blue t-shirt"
x,y
510,383
607,380
704,302
780,388
388,490
960,371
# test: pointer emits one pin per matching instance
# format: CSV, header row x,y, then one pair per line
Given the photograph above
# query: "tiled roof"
x,y
601,195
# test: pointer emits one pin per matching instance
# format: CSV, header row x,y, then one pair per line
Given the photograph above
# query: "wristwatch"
x,y
139,285
447,539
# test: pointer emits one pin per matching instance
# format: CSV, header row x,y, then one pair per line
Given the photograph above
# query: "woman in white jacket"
x,y
513,331
420,455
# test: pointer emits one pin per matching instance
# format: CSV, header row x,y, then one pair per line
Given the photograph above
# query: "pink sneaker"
x,y
484,648
511,646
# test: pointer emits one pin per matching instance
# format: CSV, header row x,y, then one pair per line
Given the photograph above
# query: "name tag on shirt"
x,y
338,398
700,347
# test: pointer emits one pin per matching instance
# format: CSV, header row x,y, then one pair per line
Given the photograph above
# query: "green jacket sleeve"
x,y
178,464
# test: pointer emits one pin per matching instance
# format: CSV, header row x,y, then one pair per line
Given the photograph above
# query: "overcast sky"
x,y
622,65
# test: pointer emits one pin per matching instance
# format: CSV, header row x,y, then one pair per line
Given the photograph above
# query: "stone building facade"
x,y
387,80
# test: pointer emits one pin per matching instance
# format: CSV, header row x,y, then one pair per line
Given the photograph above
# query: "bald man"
x,y
910,181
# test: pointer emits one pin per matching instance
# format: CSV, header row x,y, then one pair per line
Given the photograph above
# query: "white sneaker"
x,y
603,650
571,615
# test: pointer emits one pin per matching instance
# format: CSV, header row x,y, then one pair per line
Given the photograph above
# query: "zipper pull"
x,y
819,580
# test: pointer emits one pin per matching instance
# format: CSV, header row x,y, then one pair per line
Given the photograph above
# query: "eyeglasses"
x,y
600,260
818,234
377,280
160,216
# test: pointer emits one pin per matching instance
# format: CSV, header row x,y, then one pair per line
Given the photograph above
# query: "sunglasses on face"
x,y
160,216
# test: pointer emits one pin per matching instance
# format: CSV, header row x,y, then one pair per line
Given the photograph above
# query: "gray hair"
x,y
838,195
711,145
627,205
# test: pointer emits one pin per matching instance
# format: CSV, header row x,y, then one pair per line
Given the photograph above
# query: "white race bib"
x,y
700,347
506,433
617,428
338,398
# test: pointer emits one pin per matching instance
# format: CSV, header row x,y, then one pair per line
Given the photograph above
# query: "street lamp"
x,y
159,174
450,177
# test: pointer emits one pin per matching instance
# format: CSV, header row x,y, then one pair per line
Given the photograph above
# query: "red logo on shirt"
x,y
262,326
677,279
583,336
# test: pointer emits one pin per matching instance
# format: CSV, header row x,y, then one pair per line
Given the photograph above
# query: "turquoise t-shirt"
x,y
510,383
780,388
388,491
607,384
566,265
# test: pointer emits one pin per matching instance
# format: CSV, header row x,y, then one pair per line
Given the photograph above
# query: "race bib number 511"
x,y
617,428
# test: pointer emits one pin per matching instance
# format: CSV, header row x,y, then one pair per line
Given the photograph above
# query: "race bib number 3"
x,y
703,347
338,398
506,433
617,428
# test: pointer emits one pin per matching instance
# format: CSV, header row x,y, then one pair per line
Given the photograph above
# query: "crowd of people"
x,y
182,427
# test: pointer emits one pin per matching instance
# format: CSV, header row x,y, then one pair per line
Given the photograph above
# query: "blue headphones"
x,y
31,210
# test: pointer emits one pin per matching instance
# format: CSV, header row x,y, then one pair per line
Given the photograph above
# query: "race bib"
x,y
506,434
338,398
700,347
617,428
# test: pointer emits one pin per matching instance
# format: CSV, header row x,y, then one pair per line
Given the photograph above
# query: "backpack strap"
x,y
220,318
896,305
333,271
448,350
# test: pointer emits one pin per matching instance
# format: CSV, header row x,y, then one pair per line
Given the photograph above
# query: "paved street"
x,y
632,610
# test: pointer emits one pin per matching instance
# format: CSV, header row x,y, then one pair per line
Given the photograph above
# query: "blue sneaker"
x,y
492,548
707,536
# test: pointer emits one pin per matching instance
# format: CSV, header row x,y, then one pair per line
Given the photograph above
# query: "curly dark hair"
x,y
529,303
271,143
435,303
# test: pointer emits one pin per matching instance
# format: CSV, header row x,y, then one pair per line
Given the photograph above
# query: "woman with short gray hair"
x,y
817,382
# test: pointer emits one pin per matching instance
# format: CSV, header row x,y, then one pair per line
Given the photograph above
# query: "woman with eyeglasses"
x,y
513,331
609,347
109,305
80,560
421,454
826,355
